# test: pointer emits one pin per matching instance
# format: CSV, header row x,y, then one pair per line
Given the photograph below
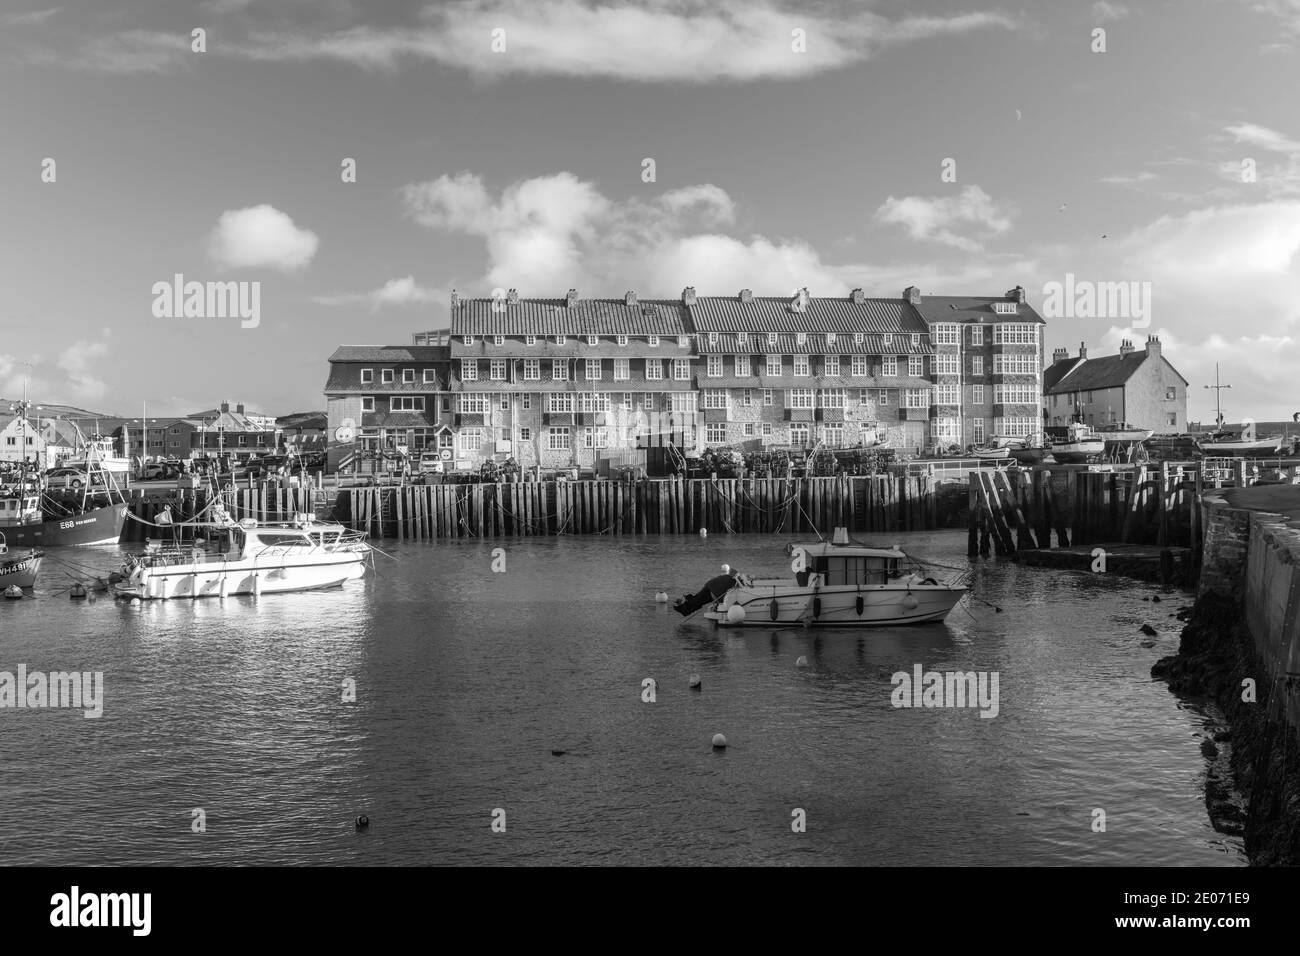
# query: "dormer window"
x,y
916,340
771,339
743,339
683,342
801,338
830,339
561,339
592,339
468,340
622,340
857,338
530,340
652,340
498,340
1005,308
713,339
889,340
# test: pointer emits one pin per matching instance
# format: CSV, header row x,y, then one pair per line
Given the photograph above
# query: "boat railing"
x,y
955,467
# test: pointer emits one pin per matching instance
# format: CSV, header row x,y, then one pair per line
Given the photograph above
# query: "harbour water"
x,y
467,679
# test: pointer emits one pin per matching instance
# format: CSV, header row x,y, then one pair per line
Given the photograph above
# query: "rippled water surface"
x,y
466,680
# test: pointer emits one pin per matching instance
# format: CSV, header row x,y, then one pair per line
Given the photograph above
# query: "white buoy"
x,y
726,569
719,742
661,597
13,593
909,602
694,682
257,585
76,592
704,532
801,662
735,614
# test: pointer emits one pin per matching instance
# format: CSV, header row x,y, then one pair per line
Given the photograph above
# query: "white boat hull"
x,y
223,579
1242,449
835,606
1077,451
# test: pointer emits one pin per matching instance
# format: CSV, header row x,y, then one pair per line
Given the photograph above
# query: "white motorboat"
x,y
247,558
836,584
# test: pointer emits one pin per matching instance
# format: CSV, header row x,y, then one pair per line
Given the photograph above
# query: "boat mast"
x,y
1218,390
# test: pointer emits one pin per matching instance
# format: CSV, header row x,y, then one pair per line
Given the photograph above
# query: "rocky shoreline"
x,y
1253,777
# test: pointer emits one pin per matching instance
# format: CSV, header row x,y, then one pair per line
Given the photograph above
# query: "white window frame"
x,y
977,334
496,366
469,370
367,376
386,376
498,340
408,376
858,366
947,363
916,366
652,340
367,404
889,366
831,365
713,366
654,370
622,369
559,370
768,398
715,433
773,368
681,370
715,398
592,370
558,438
744,368
802,397
532,370
530,340
802,366
430,376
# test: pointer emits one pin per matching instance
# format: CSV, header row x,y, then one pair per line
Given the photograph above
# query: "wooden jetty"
x,y
874,503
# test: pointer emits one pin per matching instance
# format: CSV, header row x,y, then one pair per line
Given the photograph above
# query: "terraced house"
x,y
573,381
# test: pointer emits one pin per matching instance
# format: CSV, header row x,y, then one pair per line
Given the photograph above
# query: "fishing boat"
x,y
18,570
837,584
1225,444
1025,451
34,516
101,451
1080,446
1122,433
246,557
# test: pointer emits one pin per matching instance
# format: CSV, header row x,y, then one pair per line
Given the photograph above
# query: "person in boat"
x,y
713,589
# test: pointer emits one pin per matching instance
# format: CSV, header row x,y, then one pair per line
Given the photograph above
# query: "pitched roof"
x,y
1057,371
772,314
965,308
584,317
1108,371
787,343
391,353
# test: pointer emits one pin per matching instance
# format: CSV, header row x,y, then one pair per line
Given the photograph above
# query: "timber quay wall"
x,y
874,503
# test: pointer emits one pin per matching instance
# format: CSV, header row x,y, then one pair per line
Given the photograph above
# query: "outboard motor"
x,y
713,589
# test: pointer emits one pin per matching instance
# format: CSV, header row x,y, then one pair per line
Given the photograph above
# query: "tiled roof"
x,y
1057,370
400,419
344,379
584,317
787,343
418,354
607,384
546,349
772,313
963,308
1109,371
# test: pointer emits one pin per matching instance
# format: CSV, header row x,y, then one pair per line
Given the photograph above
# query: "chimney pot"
x,y
629,298
512,297
1083,351
1017,294
912,294
688,295
746,295
571,297
858,297
239,409
225,407
455,299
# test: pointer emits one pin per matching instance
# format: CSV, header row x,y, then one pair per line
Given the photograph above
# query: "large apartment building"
x,y
573,381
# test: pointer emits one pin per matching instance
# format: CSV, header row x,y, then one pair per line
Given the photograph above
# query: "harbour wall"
x,y
1241,647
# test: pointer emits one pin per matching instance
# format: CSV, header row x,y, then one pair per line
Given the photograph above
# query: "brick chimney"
x,y
688,295
912,294
1083,351
455,299
858,296
629,298
225,408
1017,294
1153,346
571,298
1060,355
1126,348
239,409
512,297
746,295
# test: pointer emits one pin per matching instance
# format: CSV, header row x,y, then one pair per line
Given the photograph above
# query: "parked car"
x,y
72,478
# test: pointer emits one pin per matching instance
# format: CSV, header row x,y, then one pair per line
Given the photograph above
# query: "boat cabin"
x,y
841,565
20,511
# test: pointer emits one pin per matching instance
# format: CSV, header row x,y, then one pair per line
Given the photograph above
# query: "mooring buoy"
x,y
719,742
363,821
801,662
694,682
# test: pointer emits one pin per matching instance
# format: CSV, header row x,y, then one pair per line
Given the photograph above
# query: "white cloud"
x,y
260,237
28,19
1264,137
938,218
82,362
638,40
394,292
1129,179
1103,11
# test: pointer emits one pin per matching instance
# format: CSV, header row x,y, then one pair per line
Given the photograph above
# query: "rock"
x,y
1155,598
1148,630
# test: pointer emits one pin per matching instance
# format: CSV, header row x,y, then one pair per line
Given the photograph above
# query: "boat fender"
x,y
774,609
859,605
817,607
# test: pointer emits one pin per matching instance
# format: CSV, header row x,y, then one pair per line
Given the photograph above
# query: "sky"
x,y
611,146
